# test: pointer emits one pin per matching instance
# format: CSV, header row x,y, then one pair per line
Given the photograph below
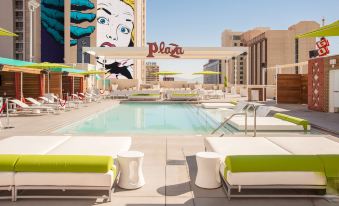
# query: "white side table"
x,y
131,175
208,170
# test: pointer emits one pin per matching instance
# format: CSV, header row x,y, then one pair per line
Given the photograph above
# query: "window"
x,y
235,44
241,44
241,82
241,72
241,68
241,58
19,56
241,63
236,37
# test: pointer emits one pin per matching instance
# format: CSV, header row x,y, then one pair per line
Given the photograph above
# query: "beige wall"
x,y
7,22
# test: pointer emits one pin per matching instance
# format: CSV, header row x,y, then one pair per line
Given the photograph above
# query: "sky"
x,y
201,22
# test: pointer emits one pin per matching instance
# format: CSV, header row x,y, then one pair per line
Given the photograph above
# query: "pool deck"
x,y
169,169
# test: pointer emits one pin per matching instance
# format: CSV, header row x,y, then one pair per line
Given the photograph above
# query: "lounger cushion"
x,y
89,145
65,179
243,146
218,105
306,145
292,119
274,163
7,162
264,124
30,144
64,163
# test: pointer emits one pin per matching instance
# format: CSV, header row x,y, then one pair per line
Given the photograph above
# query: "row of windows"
x,y
236,44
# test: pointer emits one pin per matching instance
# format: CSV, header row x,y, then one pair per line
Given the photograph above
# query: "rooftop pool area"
x,y
149,119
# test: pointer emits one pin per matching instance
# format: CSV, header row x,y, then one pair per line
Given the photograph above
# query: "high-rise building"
x,y
237,64
213,65
268,48
151,68
15,16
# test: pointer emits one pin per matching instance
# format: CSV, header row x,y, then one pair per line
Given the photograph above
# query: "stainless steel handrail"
x,y
255,118
224,122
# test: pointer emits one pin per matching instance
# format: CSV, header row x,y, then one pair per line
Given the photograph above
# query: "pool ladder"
x,y
237,114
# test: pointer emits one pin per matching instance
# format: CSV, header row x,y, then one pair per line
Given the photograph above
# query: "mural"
x,y
110,22
115,28
53,28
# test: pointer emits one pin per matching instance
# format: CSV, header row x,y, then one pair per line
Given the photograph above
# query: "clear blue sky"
x,y
201,22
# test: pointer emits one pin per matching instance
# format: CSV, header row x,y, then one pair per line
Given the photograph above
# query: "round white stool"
x,y
130,164
208,170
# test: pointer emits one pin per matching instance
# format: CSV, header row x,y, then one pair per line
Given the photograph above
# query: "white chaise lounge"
x,y
217,105
265,124
60,145
267,147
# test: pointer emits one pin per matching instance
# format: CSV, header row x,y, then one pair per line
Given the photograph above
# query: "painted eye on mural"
x,y
124,29
103,20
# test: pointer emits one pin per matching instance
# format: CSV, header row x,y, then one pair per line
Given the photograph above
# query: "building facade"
x,y
150,69
268,48
213,65
16,17
234,68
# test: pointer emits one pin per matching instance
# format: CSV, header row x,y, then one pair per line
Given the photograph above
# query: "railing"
x,y
246,115
229,118
255,118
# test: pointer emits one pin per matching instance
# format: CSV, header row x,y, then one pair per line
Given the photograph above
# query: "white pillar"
x,y
32,5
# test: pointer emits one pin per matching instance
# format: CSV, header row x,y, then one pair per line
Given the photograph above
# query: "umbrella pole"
x,y
21,82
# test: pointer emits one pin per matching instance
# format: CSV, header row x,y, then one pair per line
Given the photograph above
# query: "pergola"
x,y
141,53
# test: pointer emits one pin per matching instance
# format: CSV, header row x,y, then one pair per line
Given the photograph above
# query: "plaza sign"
x,y
323,45
173,50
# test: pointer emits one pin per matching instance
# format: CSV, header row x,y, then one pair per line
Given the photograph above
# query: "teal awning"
x,y
70,70
14,62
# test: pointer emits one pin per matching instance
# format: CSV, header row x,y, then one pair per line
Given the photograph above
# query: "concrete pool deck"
x,y
169,169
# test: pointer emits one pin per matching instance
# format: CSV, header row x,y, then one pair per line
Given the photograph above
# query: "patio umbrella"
x,y
4,32
47,66
328,30
206,73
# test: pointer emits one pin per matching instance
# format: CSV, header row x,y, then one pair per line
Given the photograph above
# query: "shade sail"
x,y
189,52
4,32
328,30
166,73
206,73
13,65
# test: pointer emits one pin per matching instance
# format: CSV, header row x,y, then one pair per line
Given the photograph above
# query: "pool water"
x,y
147,118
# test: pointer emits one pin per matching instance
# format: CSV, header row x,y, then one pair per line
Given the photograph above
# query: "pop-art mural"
x,y
115,28
53,29
110,22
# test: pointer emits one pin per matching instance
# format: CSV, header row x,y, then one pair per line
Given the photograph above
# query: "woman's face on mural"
x,y
115,22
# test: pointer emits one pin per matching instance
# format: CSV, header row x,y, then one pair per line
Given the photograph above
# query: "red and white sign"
x,y
323,45
172,50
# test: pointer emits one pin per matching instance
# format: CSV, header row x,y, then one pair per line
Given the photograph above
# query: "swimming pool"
x,y
147,118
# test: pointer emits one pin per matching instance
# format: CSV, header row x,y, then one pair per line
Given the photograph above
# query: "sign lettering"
x,y
172,50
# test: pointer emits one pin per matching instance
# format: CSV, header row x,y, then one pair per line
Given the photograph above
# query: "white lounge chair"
x,y
275,179
36,103
34,109
265,124
61,145
218,105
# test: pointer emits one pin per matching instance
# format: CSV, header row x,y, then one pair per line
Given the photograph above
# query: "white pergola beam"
x,y
189,52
